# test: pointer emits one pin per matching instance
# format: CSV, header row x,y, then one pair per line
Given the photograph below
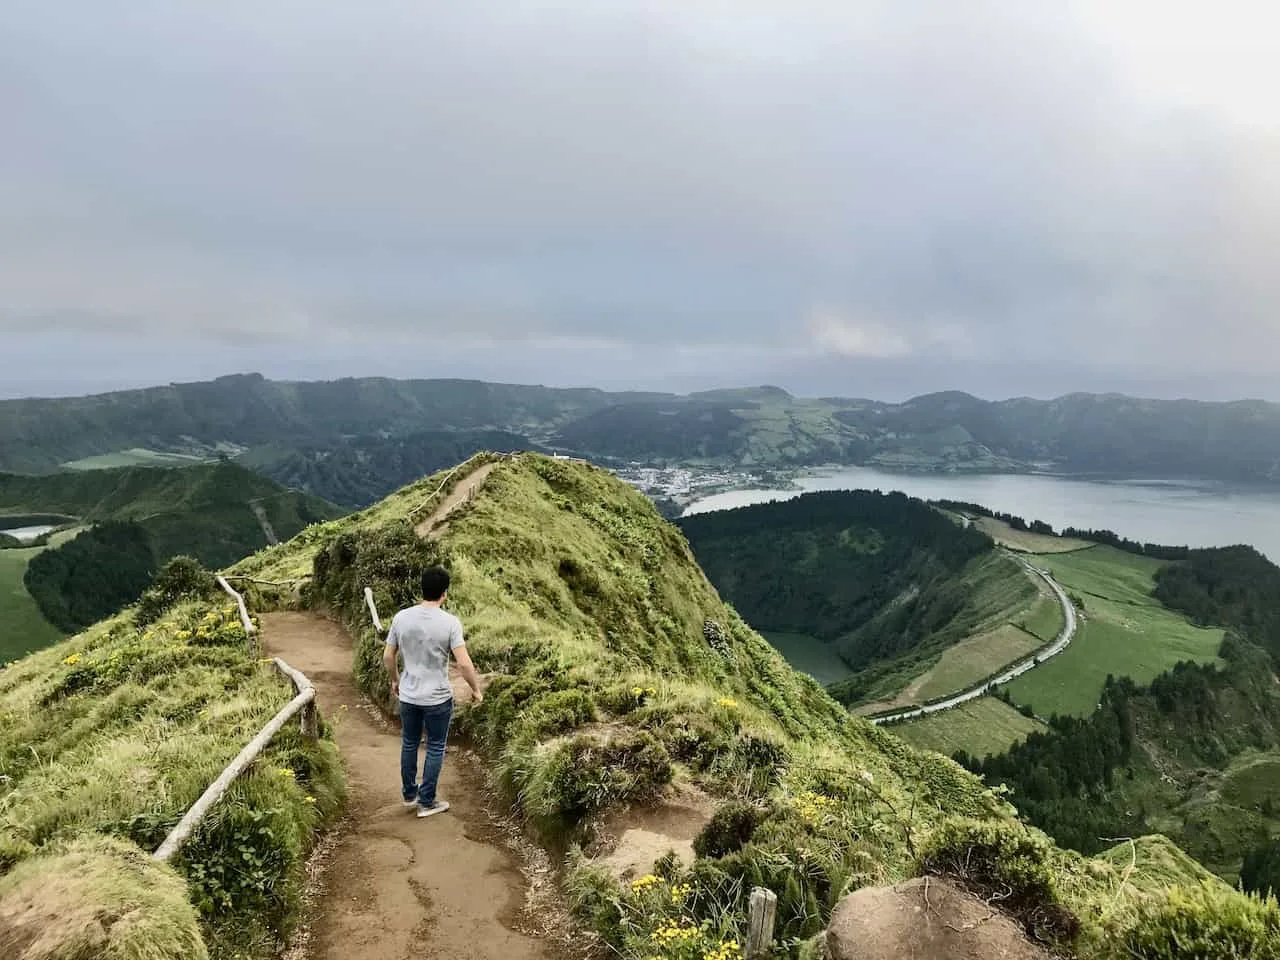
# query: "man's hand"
x,y
477,696
395,687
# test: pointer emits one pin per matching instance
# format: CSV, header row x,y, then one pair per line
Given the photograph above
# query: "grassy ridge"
x,y
118,730
621,671
1124,632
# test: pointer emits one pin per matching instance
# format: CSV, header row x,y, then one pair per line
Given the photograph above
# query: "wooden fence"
x,y
304,703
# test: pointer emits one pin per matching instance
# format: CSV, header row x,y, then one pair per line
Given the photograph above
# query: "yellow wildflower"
x,y
728,950
727,702
643,883
286,772
71,660
183,634
637,691
812,806
311,799
673,932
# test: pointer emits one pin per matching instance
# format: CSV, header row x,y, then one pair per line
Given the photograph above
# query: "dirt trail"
x,y
396,887
472,481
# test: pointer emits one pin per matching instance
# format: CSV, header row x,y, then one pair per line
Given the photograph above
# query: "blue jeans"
x,y
413,720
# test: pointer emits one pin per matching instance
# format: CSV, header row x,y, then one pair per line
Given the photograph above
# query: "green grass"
x,y
981,727
1253,782
1024,541
973,660
135,457
23,628
809,655
619,671
1008,606
117,731
1124,632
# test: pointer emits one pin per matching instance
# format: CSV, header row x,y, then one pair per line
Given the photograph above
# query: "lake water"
x,y
1168,512
27,534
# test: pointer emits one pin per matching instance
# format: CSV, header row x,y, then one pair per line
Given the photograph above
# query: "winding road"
x,y
1017,670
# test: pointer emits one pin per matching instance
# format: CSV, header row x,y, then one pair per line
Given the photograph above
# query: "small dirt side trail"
x,y
396,887
462,491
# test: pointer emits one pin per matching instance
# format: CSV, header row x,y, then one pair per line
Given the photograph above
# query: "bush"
x,y
182,578
1206,922
730,829
591,771
1004,862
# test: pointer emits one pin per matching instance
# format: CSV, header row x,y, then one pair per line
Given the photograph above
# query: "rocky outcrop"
x,y
925,919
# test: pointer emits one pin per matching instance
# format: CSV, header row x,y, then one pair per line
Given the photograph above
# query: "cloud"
x,y
853,338
1037,191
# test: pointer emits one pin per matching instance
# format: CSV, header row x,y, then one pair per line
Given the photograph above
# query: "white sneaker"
x,y
409,804
440,806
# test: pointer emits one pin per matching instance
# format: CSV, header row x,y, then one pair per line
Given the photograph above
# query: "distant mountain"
x,y
1103,434
358,471
140,517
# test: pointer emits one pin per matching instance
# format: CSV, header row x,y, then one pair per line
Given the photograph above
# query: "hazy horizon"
x,y
876,200
799,394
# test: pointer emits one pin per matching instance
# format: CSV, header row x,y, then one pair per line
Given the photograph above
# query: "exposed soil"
x,y
432,526
396,887
924,919
635,838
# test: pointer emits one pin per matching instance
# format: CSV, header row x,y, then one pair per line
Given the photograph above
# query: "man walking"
x,y
424,635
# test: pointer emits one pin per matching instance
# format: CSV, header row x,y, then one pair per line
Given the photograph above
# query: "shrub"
x,y
558,713
1208,921
590,771
1004,862
182,578
730,829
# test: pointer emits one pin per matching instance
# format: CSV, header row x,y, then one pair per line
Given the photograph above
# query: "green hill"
x,y
764,426
618,672
886,581
140,517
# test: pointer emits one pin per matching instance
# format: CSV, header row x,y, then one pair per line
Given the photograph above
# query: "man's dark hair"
x,y
435,581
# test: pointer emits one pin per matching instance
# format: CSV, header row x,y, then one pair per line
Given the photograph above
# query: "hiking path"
x,y
387,885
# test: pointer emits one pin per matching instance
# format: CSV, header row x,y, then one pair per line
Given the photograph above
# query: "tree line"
x,y
873,574
91,576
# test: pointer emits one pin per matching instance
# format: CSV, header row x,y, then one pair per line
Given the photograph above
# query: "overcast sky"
x,y
860,198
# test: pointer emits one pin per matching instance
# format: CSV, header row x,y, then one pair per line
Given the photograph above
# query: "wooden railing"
x,y
304,703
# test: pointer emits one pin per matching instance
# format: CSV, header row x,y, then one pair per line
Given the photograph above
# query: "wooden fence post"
x,y
373,610
310,721
762,913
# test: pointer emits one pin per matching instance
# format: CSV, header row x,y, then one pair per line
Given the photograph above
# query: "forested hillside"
x,y
1236,586
762,426
357,471
886,580
140,517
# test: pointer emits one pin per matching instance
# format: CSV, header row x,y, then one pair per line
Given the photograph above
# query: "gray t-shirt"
x,y
425,635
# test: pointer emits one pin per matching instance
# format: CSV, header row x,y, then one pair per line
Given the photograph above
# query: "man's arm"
x,y
468,669
389,652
